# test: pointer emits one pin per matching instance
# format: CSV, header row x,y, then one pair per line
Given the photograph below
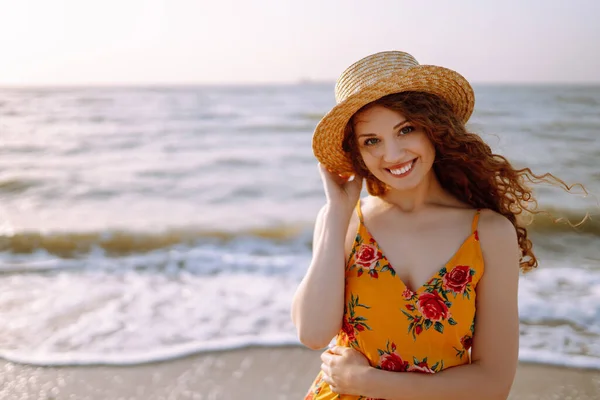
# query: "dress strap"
x,y
475,220
359,212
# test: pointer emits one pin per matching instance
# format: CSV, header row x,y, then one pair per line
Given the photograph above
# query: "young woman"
x,y
421,276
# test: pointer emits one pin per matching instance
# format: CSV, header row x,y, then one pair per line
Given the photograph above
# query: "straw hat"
x,y
374,77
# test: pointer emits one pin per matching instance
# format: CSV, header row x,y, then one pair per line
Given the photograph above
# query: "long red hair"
x,y
464,164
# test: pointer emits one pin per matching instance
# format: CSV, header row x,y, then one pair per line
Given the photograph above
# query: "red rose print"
x,y
467,342
392,362
421,367
418,329
432,306
359,327
407,294
458,278
367,256
348,330
476,235
410,307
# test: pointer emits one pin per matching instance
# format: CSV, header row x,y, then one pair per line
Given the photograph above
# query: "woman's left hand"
x,y
342,369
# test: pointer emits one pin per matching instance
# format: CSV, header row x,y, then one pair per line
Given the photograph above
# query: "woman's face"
x,y
393,150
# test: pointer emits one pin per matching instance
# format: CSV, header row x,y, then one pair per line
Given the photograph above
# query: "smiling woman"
x,y
422,275
400,148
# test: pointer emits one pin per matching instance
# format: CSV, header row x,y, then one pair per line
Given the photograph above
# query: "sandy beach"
x,y
253,373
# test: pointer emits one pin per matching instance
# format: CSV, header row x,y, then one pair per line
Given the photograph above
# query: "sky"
x,y
91,42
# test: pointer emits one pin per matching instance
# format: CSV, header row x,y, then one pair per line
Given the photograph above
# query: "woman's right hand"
x,y
342,193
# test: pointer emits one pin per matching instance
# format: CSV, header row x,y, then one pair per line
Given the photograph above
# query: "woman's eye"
x,y
370,142
406,129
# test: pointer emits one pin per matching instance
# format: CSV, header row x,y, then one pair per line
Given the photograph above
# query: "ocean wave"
x,y
581,100
558,221
144,357
122,243
49,359
308,116
16,185
563,125
278,128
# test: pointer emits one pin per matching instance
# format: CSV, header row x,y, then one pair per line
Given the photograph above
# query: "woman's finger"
x,y
339,350
339,179
326,370
326,356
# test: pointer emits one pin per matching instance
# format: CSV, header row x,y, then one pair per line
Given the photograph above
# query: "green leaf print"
x,y
459,352
438,326
427,323
451,321
407,314
445,297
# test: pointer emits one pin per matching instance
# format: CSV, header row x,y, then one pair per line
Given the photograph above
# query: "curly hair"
x,y
464,164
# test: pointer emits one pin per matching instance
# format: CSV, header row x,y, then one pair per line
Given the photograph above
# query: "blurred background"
x,y
157,183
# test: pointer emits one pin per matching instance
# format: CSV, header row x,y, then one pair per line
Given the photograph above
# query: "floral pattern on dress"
x,y
422,366
315,389
431,307
398,329
466,342
352,323
390,360
426,310
367,257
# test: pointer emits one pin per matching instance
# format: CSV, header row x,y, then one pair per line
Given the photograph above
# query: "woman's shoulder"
x,y
498,238
493,225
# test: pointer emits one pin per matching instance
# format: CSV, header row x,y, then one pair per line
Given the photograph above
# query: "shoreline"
x,y
249,373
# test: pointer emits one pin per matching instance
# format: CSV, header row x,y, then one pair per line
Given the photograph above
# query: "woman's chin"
x,y
401,184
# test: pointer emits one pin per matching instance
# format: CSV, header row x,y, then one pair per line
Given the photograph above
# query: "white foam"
x,y
171,303
546,356
148,356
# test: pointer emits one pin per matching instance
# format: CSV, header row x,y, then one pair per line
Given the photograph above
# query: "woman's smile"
x,y
401,170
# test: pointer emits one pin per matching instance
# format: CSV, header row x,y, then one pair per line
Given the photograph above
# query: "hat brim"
x,y
443,82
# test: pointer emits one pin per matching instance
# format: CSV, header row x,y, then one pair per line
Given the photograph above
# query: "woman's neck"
x,y
428,192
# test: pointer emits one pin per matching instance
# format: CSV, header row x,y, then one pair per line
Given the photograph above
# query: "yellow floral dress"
x,y
424,331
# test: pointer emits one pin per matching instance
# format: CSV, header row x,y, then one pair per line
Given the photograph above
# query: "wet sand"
x,y
253,373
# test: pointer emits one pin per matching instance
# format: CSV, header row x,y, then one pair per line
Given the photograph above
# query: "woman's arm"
x,y
495,344
318,305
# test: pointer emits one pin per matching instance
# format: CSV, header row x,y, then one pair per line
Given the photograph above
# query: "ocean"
x,y
140,224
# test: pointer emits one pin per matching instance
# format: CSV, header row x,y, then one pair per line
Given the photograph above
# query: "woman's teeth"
x,y
402,170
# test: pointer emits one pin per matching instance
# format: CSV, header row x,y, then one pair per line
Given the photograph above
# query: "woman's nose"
x,y
393,152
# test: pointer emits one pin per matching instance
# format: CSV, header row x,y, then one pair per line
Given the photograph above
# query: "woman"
x,y
422,275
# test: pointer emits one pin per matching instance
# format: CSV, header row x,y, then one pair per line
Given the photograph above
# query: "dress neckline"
x,y
436,274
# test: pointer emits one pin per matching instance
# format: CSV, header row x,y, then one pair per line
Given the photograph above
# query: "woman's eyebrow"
x,y
394,128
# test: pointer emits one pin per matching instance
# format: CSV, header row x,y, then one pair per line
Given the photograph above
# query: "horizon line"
x,y
299,82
